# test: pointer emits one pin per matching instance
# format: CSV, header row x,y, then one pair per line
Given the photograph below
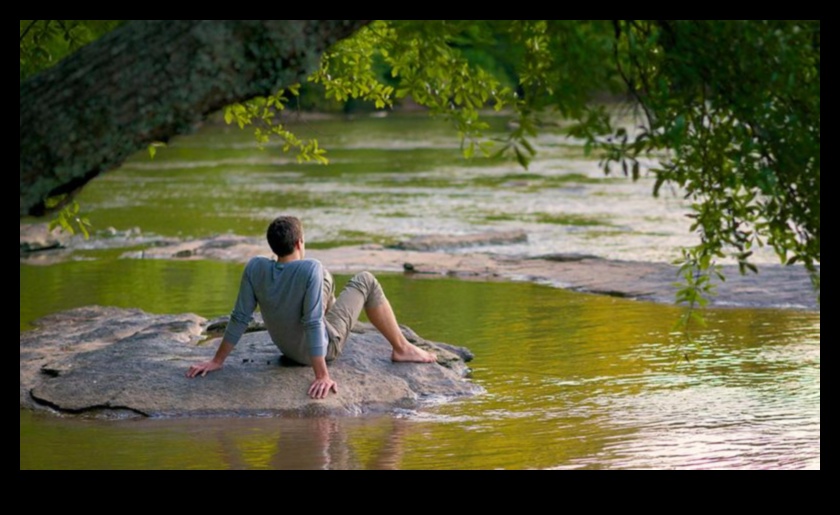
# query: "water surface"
x,y
390,179
573,380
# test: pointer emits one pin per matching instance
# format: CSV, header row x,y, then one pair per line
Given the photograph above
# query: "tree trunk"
x,y
150,80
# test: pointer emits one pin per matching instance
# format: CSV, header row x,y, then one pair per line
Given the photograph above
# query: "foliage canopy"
x,y
730,110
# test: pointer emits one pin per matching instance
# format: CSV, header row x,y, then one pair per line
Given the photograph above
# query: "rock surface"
x,y
108,362
774,287
41,247
439,242
39,238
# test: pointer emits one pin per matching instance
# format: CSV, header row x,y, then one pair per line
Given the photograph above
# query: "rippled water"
x,y
390,179
574,381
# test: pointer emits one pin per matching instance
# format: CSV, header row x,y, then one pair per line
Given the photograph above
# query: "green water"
x,y
572,380
390,179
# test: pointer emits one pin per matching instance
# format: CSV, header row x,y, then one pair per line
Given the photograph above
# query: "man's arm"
x,y
212,366
242,315
323,384
316,334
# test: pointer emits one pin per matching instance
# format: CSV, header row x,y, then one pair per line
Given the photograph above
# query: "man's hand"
x,y
323,385
212,366
203,369
321,388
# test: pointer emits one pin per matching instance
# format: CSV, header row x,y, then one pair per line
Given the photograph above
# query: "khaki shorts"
x,y
362,292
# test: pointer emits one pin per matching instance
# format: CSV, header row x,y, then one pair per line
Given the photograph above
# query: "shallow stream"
x,y
573,380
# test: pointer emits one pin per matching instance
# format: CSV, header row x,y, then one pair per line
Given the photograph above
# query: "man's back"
x,y
290,292
290,297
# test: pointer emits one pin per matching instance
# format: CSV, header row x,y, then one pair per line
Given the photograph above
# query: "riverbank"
x,y
774,287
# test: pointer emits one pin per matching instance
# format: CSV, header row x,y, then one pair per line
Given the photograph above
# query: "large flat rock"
x,y
108,362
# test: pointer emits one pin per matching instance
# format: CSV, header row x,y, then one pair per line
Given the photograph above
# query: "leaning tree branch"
x,y
148,81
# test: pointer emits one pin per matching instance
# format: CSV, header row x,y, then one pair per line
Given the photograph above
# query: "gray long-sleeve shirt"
x,y
290,297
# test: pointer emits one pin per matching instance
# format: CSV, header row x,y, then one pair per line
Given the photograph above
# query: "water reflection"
x,y
259,444
312,444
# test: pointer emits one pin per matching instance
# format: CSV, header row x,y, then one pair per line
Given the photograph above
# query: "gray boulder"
x,y
116,363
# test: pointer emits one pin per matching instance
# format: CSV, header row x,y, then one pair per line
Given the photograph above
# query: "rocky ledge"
x,y
117,363
774,287
780,287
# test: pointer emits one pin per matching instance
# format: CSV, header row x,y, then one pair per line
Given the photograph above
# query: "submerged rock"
x,y
39,238
440,242
42,247
108,362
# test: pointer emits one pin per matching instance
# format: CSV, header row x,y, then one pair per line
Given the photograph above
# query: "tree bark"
x,y
148,81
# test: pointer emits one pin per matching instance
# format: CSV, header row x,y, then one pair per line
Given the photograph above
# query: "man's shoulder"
x,y
312,266
258,263
307,266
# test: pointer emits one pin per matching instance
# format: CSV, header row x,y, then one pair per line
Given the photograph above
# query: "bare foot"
x,y
411,354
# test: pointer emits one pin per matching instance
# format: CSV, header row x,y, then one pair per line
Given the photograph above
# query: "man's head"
x,y
284,235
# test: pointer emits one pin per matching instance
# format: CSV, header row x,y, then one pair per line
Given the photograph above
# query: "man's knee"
x,y
367,283
366,278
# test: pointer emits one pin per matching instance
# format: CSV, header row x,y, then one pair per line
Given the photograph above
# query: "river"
x,y
574,381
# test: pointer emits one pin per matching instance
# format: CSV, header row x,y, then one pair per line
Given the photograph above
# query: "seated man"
x,y
296,297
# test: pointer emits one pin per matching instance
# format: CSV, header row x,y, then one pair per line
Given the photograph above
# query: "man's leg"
x,y
364,292
328,291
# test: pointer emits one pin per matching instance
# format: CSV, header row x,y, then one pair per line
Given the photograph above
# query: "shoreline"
x,y
775,287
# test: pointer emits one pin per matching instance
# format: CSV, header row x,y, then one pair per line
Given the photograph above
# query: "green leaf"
x,y
660,181
469,150
153,148
527,144
83,229
66,225
521,158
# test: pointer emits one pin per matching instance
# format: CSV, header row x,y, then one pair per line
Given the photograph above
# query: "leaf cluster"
x,y
732,115
264,114
68,217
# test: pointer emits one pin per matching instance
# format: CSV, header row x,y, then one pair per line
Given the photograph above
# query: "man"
x,y
296,298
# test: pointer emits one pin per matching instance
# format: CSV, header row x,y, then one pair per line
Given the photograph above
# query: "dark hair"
x,y
284,233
